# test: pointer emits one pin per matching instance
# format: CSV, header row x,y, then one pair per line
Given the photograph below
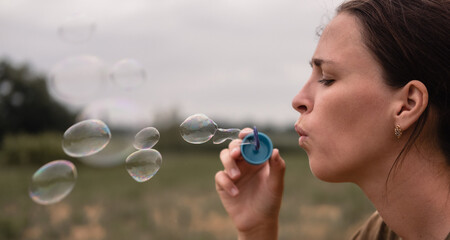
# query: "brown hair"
x,y
411,41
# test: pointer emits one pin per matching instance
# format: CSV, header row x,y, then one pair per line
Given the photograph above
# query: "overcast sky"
x,y
233,60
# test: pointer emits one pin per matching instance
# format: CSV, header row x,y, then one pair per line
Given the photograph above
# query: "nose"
x,y
302,102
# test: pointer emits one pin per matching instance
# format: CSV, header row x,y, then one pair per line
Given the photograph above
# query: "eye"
x,y
326,82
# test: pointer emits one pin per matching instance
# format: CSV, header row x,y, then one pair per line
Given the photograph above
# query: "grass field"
x,y
180,202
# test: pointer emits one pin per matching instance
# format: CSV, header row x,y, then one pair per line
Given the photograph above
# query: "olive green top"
x,y
376,229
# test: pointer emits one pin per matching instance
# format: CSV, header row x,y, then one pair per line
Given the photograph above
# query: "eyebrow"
x,y
318,62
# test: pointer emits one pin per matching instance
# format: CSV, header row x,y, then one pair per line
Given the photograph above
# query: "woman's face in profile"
x,y
347,117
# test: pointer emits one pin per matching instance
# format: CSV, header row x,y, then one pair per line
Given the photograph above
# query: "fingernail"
x,y
234,172
276,157
234,191
234,150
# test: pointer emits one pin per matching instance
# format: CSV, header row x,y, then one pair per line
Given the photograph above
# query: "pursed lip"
x,y
303,139
300,131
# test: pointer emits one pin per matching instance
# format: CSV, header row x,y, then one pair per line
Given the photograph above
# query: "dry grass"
x,y
178,203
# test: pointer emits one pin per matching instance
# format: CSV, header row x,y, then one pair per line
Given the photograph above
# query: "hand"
x,y
251,194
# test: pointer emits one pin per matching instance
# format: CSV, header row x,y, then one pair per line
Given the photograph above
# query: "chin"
x,y
324,172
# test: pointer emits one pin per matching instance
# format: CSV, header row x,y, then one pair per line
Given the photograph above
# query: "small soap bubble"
x,y
78,28
77,79
17,99
53,182
143,164
86,138
198,129
222,135
146,138
5,88
128,74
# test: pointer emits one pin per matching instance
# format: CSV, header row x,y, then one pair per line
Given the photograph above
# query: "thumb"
x,y
277,169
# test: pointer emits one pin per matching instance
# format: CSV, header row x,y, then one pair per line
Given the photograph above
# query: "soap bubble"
x,y
128,74
5,88
17,99
124,118
146,138
77,79
53,182
78,28
143,164
86,138
199,128
222,135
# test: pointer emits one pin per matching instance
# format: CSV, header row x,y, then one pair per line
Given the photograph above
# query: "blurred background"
x,y
141,63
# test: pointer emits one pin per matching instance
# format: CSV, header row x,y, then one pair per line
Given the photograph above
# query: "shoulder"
x,y
375,228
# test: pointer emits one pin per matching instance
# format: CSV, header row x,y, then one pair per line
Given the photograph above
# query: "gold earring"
x,y
398,131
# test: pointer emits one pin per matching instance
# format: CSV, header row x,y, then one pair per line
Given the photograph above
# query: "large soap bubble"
x,y
77,79
86,138
53,182
143,164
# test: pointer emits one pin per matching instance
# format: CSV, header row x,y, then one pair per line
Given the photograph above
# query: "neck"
x,y
415,200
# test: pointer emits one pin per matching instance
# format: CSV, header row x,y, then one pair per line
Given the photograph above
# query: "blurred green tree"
x,y
25,104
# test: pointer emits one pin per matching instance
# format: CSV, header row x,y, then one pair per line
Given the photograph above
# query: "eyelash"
x,y
326,82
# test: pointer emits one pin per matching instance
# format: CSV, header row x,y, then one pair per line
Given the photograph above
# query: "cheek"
x,y
349,129
353,115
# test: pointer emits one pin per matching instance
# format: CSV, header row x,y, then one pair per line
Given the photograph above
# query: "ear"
x,y
413,100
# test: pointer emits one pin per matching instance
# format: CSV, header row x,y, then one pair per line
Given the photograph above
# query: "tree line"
x,y
25,104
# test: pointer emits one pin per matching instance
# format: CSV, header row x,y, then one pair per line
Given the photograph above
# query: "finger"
x,y
236,143
277,170
225,184
244,132
235,149
229,163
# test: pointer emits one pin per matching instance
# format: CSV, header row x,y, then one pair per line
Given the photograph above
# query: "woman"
x,y
376,112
